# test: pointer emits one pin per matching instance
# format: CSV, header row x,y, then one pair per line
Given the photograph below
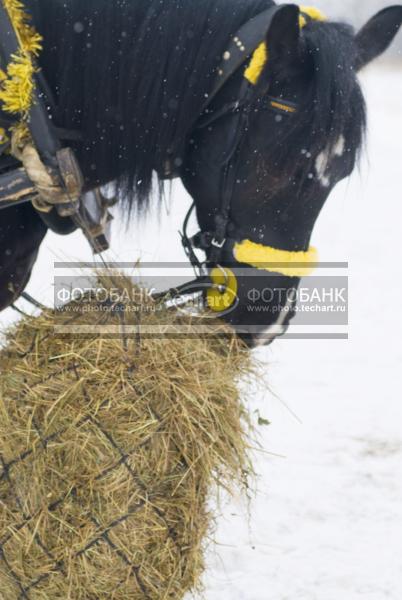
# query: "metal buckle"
x,y
216,244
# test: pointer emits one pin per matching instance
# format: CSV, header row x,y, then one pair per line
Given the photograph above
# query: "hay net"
x,y
108,456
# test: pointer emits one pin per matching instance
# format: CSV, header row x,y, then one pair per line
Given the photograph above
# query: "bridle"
x,y
215,241
221,239
244,43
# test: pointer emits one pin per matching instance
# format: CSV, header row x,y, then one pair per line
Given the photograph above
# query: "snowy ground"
x,y
326,523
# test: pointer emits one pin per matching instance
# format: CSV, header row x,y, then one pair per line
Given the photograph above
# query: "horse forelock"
x,y
332,106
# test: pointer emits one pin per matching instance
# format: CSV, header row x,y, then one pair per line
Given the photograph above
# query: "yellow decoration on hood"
x,y
312,12
260,58
260,55
17,83
290,264
17,87
220,301
30,41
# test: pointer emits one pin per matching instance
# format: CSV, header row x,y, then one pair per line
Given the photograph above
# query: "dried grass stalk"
x,y
109,452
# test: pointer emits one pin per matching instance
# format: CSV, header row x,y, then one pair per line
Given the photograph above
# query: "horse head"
x,y
301,113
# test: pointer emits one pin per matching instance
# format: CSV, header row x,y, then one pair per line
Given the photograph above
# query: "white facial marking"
x,y
340,146
321,165
277,328
323,161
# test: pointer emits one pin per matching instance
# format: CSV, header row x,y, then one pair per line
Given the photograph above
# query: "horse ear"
x,y
283,35
375,37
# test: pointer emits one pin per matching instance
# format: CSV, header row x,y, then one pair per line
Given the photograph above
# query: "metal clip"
x,y
216,244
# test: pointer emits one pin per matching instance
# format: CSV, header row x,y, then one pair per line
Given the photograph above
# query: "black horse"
x,y
134,78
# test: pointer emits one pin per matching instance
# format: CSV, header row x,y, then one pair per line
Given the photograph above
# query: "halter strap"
x,y
252,35
221,243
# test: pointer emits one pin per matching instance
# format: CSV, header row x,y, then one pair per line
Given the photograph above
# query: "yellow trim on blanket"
x,y
17,82
257,63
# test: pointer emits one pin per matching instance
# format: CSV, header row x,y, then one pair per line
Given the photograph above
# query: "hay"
x,y
109,452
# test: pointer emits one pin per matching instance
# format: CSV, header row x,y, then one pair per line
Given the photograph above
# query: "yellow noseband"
x,y
290,264
223,294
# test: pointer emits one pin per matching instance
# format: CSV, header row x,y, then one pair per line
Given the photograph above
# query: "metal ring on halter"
x,y
221,288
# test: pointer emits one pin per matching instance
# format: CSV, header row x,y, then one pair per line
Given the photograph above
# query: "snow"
x,y
326,520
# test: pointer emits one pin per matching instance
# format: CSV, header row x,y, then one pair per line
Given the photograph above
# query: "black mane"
x,y
336,105
133,75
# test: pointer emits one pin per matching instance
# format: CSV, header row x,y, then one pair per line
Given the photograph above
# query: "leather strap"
x,y
248,38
